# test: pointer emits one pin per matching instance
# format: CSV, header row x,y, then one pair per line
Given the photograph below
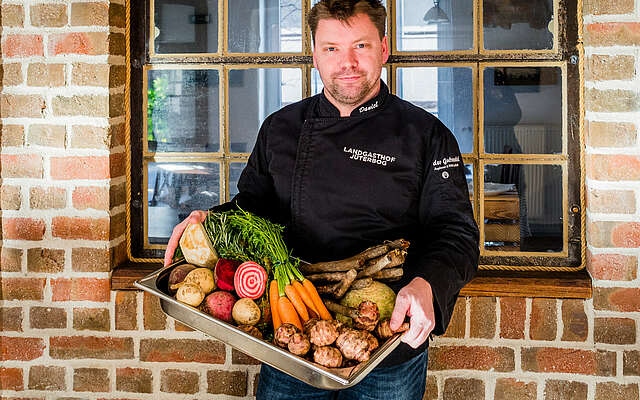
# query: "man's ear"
x,y
313,54
385,50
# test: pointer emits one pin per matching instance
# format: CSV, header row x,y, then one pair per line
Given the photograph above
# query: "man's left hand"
x,y
415,301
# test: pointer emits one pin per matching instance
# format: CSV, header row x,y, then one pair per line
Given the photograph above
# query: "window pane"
x,y
317,85
183,110
268,26
235,169
446,92
253,95
518,24
523,207
434,25
523,110
185,26
176,189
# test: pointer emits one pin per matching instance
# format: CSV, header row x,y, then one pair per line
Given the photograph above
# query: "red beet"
x,y
219,305
224,272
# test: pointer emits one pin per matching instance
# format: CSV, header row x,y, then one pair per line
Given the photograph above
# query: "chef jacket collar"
x,y
325,108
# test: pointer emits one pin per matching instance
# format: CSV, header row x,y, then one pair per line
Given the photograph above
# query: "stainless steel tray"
x,y
304,370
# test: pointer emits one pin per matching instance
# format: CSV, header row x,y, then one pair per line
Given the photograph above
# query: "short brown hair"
x,y
342,10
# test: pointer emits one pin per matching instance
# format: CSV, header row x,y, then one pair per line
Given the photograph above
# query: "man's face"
x,y
349,58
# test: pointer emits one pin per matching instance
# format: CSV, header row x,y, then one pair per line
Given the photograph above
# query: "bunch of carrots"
x,y
293,298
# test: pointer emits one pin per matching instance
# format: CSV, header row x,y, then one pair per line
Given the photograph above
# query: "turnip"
x,y
190,294
202,277
245,312
219,304
178,274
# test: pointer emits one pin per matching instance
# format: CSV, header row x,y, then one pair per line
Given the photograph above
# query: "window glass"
x,y
185,26
235,169
253,95
267,26
523,110
523,207
518,24
446,92
434,25
183,110
175,189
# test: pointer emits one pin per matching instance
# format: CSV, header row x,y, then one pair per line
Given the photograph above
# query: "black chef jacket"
x,y
341,184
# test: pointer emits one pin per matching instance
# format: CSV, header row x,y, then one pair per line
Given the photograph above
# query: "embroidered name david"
x,y
368,156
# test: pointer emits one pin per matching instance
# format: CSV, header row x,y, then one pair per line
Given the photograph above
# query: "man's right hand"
x,y
193,218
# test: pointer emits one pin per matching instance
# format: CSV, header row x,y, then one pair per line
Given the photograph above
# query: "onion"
x,y
250,280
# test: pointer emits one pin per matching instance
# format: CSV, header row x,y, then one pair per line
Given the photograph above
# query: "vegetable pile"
x,y
240,271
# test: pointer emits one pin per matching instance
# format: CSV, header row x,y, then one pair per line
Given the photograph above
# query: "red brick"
x,y
135,380
178,381
614,330
22,288
12,15
86,43
542,325
565,390
430,392
22,46
125,307
616,391
574,320
613,34
231,383
45,260
602,7
11,379
11,319
612,267
616,299
12,74
90,259
90,137
47,135
604,67
21,348
512,317
573,361
80,228
90,289
610,134
12,135
95,197
626,235
21,166
463,389
631,363
46,198
47,318
153,316
43,377
180,327
117,164
458,322
90,14
82,347
65,168
82,105
22,105
182,350
500,359
10,197
90,380
609,167
613,234
512,389
92,319
10,259
238,357
611,201
483,317
61,289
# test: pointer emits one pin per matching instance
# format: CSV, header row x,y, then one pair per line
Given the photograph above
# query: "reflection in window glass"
x,y
518,24
176,189
523,207
253,95
317,85
523,110
269,26
235,169
442,25
185,26
446,92
183,110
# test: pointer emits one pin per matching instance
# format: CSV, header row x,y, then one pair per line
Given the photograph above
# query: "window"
x,y
503,75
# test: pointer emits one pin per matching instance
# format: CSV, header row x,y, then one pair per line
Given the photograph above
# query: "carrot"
x,y
288,312
312,314
297,302
317,301
304,295
273,302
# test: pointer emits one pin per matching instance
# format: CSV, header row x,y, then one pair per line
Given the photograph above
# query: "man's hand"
x,y
415,301
193,218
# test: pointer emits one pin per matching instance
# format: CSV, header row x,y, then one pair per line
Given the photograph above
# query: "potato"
x,y
245,312
178,274
190,294
202,277
219,305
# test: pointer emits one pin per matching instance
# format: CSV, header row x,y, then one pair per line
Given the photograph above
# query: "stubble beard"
x,y
349,98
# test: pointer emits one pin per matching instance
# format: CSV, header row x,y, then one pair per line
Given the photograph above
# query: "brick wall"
x,y
65,334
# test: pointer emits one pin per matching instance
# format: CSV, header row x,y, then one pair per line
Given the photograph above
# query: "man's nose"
x,y
349,59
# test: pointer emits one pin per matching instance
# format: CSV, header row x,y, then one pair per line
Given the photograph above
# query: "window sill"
x,y
572,285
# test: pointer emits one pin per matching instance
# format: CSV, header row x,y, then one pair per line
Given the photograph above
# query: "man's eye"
x,y
361,45
331,49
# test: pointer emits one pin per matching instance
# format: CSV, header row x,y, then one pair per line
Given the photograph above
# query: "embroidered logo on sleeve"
x,y
446,163
368,156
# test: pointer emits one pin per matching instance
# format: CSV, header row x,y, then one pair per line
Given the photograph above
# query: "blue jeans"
x,y
405,381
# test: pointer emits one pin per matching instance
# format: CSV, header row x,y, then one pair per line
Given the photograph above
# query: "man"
x,y
352,167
